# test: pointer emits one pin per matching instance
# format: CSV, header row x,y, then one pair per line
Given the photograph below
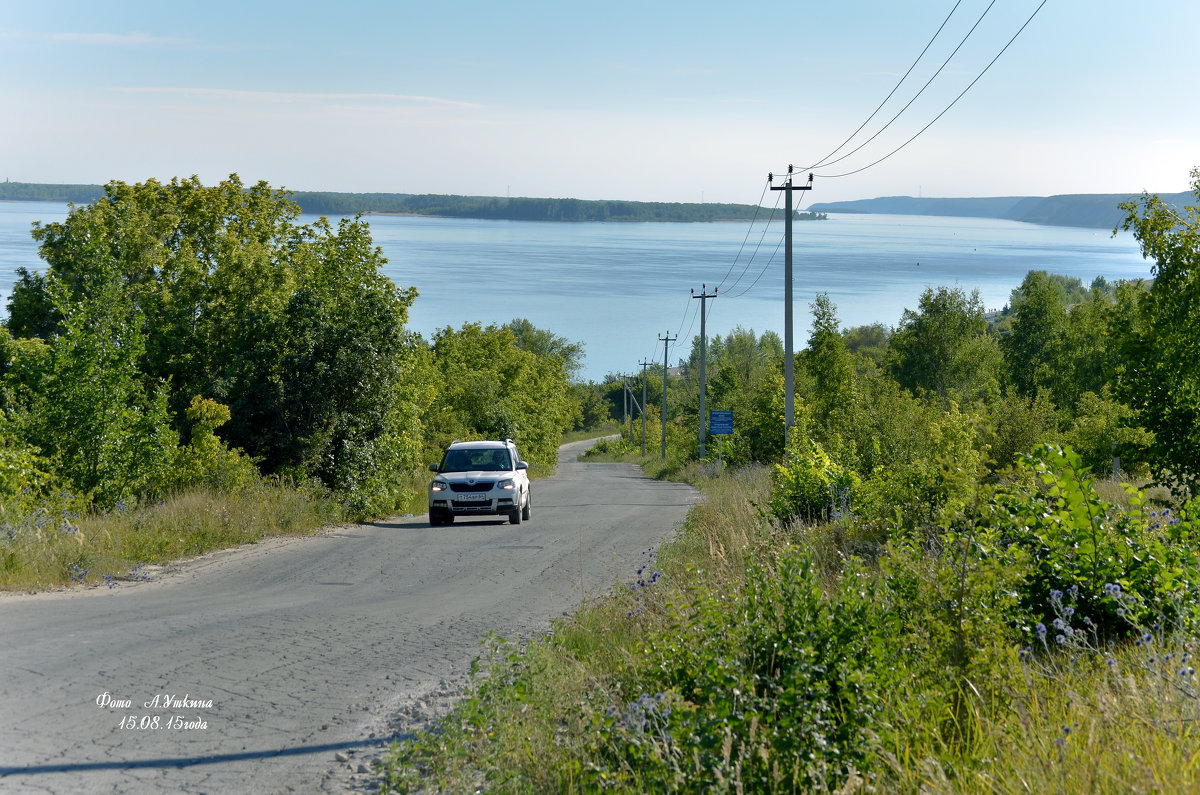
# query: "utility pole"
x,y
789,378
644,365
624,402
632,401
665,341
704,296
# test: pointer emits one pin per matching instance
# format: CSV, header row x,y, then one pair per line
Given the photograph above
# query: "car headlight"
x,y
507,485
439,485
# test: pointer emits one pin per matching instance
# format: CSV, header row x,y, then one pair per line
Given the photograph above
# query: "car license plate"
x,y
471,497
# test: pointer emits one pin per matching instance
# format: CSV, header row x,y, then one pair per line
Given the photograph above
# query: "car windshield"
x,y
476,461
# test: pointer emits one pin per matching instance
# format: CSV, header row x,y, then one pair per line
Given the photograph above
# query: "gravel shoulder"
x,y
286,666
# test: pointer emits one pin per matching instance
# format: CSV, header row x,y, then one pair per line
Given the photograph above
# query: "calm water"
x,y
617,287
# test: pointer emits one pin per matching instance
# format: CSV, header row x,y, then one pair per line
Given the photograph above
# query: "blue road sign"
x,y
720,422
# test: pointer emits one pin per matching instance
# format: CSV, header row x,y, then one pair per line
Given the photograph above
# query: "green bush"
x,y
771,689
1080,545
207,462
810,485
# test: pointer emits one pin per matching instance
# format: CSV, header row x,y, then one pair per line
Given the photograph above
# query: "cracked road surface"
x,y
314,652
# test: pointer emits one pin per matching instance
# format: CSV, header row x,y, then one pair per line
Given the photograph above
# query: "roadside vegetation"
x,y
942,584
194,368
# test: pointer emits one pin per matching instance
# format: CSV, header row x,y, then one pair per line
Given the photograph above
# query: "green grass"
x,y
58,543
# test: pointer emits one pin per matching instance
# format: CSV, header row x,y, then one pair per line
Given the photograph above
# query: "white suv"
x,y
479,479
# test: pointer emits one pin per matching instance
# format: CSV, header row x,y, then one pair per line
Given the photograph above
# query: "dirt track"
x,y
313,651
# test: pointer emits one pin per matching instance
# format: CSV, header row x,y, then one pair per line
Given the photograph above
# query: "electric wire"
x,y
823,161
757,207
900,113
771,259
948,107
761,238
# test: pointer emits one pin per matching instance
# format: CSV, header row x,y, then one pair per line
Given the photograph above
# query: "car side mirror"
x,y
433,467
522,465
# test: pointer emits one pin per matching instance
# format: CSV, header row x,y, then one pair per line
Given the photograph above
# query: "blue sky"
x,y
655,101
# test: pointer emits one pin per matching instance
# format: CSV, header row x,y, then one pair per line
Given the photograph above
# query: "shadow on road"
x,y
191,761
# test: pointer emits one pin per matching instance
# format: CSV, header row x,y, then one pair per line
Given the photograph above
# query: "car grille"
x,y
483,485
485,507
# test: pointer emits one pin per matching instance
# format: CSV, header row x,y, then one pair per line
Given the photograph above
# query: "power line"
x,y
948,107
823,161
749,229
761,238
928,82
771,259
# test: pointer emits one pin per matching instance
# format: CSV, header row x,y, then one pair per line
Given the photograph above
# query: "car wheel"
x,y
515,517
435,519
528,509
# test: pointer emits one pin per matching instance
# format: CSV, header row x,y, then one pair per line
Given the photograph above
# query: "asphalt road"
x,y
286,666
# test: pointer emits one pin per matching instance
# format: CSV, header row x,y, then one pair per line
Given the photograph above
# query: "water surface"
x,y
617,287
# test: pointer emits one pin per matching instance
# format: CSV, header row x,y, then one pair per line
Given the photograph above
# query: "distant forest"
x,y
486,207
1091,210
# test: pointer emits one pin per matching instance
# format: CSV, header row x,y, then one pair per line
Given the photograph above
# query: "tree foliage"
x,y
226,296
1162,377
944,347
491,387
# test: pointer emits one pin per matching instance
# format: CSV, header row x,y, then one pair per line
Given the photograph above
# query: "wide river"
x,y
619,287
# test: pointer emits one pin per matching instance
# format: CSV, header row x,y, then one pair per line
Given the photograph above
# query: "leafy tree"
x,y
828,364
316,386
31,312
1102,426
206,460
1017,423
1089,349
746,377
1161,377
593,410
492,388
93,415
546,343
1034,349
943,348
294,327
871,341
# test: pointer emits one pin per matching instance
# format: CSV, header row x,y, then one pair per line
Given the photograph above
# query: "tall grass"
x,y
60,542
580,710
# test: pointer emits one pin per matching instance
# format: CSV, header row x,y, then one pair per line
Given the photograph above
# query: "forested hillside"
x,y
1093,210
1100,211
483,207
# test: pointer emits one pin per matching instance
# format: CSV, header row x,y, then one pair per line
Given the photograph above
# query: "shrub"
x,y
771,689
207,462
810,485
1079,543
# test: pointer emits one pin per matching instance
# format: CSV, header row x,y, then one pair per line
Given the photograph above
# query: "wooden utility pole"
x,y
624,398
644,365
704,296
665,341
789,378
